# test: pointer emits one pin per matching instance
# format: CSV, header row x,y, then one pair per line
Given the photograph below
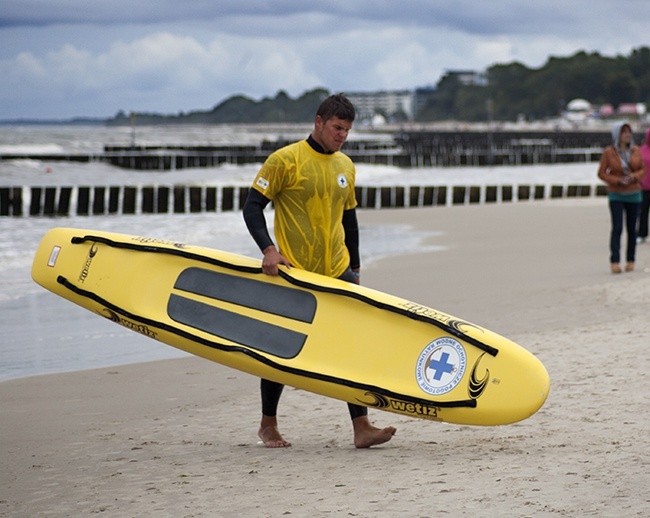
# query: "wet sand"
x,y
178,437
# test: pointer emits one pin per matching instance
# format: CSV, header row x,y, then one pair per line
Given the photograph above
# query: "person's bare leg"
x,y
270,434
367,435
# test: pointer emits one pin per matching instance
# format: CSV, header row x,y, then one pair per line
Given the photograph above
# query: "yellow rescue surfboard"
x,y
302,329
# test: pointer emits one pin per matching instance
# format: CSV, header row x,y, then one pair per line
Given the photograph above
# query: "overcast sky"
x,y
70,58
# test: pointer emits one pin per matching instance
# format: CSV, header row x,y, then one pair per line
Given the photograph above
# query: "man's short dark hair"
x,y
337,105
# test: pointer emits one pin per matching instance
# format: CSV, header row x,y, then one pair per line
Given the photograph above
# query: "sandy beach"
x,y
177,438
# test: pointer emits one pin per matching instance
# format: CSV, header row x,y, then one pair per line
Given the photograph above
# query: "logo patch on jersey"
x,y
342,181
262,182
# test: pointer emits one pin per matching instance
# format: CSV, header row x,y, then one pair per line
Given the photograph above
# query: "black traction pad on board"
x,y
295,304
287,302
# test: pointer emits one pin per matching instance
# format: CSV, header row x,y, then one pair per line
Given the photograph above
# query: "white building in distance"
x,y
387,104
400,104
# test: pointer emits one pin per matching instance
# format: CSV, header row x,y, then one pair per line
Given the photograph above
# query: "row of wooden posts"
x,y
180,199
405,149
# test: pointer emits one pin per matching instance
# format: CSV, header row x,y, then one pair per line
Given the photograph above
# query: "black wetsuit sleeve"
x,y
351,227
254,217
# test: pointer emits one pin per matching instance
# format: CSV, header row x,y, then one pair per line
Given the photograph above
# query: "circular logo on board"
x,y
441,366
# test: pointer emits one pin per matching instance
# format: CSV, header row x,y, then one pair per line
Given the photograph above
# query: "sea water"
x,y
42,333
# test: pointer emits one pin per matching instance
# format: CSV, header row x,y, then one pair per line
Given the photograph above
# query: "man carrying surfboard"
x,y
311,184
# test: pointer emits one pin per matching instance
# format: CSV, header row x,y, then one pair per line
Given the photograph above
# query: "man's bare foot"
x,y
270,434
367,435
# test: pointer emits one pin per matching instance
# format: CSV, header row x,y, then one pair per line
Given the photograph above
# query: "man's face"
x,y
332,133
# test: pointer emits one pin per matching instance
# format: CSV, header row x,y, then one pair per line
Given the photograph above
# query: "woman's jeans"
x,y
643,218
630,212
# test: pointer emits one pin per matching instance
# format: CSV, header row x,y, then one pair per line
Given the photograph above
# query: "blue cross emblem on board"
x,y
441,366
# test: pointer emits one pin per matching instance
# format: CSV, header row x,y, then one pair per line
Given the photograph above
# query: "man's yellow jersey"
x,y
310,191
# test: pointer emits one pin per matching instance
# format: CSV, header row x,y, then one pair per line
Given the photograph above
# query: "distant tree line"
x,y
240,109
515,89
510,91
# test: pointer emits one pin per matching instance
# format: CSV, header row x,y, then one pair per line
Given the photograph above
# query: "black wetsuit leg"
x,y
357,411
271,392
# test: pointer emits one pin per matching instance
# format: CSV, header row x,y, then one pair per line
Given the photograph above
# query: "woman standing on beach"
x,y
621,168
645,190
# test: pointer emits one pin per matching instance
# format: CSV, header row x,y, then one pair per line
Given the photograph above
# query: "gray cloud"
x,y
61,58
473,16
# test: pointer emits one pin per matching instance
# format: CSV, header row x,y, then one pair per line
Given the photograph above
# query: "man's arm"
x,y
254,217
253,212
351,228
